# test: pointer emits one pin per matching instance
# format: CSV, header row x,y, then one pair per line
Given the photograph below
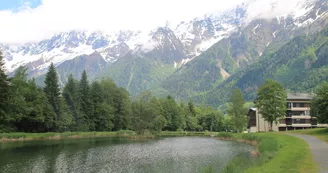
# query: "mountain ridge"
x,y
190,61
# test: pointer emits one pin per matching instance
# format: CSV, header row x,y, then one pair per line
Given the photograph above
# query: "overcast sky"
x,y
32,20
23,21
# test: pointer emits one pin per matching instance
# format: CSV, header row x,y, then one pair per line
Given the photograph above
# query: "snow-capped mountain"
x,y
66,46
186,41
201,33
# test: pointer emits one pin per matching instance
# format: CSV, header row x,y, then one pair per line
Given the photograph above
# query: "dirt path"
x,y
319,151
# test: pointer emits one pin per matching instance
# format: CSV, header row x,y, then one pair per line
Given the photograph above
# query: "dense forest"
x,y
97,106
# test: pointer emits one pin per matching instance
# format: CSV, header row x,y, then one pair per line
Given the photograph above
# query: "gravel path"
x,y
319,151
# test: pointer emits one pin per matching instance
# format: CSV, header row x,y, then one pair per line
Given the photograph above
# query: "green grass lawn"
x,y
279,153
321,133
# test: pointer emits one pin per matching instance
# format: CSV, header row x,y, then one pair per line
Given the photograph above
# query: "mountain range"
x,y
202,59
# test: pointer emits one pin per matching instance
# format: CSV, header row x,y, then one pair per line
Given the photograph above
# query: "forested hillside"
x,y
97,106
249,44
300,65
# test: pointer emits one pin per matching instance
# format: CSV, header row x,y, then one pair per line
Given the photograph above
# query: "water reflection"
x,y
177,154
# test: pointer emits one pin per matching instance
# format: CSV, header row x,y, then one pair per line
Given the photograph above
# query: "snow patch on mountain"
x,y
196,35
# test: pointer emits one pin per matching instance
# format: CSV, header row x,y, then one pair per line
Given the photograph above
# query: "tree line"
x,y
101,106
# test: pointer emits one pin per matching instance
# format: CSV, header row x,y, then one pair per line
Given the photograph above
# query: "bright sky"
x,y
33,20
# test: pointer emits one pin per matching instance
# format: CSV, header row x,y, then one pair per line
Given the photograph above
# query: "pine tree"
x,y
52,91
4,93
84,102
70,94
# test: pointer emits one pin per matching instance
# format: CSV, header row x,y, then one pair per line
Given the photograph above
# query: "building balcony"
x,y
299,108
301,125
282,125
301,117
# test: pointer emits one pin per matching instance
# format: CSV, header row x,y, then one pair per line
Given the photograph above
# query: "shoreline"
x,y
270,149
21,137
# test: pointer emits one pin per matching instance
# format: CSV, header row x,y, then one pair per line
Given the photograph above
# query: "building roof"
x,y
299,96
253,109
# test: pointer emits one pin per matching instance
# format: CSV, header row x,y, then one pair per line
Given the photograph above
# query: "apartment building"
x,y
298,116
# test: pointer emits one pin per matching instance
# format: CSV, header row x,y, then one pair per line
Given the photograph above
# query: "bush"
x,y
224,135
250,137
125,132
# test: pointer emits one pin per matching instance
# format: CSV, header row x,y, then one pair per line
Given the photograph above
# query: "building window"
x,y
299,121
296,105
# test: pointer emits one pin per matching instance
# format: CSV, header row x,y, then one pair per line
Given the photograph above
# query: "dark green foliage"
x,y
171,111
70,95
320,103
209,119
271,101
30,110
101,106
4,93
190,116
102,111
84,102
143,113
52,91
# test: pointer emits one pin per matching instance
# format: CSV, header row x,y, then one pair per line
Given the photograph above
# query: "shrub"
x,y
224,135
125,132
250,137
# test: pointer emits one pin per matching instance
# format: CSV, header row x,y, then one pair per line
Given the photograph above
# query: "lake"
x,y
167,155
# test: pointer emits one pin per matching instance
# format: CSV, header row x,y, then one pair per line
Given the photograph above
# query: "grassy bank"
x,y
184,133
6,137
278,153
321,133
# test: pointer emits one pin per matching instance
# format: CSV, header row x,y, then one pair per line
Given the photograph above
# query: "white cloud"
x,y
268,9
53,16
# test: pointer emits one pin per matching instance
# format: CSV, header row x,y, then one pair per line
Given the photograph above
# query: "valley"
x,y
202,59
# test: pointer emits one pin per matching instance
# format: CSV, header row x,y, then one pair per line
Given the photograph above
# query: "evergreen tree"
x,y
52,91
4,88
237,110
29,107
70,95
84,103
271,101
102,111
66,119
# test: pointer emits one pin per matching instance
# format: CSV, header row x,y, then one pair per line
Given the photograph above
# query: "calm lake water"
x,y
167,155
